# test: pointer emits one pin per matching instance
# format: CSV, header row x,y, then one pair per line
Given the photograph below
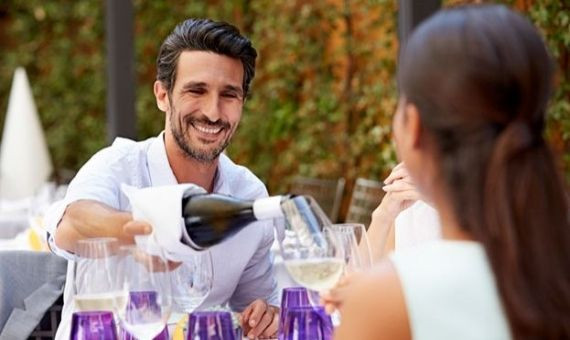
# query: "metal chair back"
x,y
327,192
366,196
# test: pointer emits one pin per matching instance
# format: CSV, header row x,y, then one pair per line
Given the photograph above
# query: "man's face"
x,y
205,105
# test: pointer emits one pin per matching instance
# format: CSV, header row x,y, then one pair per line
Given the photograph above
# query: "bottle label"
x,y
266,208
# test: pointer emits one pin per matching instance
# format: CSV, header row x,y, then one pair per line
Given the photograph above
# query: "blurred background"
x,y
321,102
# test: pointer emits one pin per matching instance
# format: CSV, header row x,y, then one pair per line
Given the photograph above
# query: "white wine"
x,y
107,301
316,273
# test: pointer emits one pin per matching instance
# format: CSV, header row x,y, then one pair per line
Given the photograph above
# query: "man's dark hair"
x,y
204,35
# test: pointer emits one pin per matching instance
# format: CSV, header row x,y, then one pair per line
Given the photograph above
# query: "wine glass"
x,y
192,281
146,278
316,264
354,240
96,289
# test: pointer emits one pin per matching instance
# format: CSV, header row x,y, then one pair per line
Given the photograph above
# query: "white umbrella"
x,y
25,163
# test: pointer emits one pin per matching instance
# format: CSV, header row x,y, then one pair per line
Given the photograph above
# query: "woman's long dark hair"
x,y
481,78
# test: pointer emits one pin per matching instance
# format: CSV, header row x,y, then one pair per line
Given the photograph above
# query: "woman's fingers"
x,y
399,172
399,185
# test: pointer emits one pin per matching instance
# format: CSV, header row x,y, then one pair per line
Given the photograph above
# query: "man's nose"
x,y
211,108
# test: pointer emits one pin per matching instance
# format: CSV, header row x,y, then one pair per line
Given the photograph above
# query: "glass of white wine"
x,y
147,280
316,265
96,288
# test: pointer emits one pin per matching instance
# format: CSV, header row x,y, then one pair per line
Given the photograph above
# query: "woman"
x,y
474,85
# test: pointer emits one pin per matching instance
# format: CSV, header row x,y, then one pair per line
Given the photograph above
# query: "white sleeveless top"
x,y
450,292
416,225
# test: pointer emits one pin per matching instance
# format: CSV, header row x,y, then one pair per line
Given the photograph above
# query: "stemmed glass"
x,y
192,281
356,246
96,289
316,264
146,278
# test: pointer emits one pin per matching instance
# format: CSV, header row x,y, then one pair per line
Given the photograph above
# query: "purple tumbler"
x,y
292,297
93,325
136,301
307,323
215,325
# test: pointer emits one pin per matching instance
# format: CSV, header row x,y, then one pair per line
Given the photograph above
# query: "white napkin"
x,y
161,207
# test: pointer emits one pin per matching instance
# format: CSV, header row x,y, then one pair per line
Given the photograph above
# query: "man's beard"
x,y
181,137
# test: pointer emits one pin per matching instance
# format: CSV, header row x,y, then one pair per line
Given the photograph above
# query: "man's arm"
x,y
88,218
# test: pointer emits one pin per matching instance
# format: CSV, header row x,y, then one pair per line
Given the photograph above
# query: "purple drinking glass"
x,y
138,301
307,323
292,297
93,325
216,325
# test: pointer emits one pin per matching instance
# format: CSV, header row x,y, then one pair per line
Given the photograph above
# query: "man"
x,y
204,70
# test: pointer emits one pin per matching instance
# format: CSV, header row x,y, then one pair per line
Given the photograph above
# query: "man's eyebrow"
x,y
193,85
233,88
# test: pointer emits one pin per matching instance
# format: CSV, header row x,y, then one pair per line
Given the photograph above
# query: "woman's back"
x,y
450,292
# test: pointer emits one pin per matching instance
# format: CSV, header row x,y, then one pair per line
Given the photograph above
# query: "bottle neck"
x,y
268,207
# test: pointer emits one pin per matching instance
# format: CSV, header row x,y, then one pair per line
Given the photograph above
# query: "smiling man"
x,y
204,70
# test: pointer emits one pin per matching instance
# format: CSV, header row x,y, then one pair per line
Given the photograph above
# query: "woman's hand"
x,y
401,193
334,298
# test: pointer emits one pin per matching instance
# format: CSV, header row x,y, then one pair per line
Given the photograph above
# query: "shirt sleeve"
x,y
97,180
257,280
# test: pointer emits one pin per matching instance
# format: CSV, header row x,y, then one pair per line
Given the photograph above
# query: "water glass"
x,y
95,287
93,325
307,323
216,325
147,280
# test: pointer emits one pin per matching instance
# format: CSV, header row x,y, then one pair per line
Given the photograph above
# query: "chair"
x,y
366,196
327,192
31,284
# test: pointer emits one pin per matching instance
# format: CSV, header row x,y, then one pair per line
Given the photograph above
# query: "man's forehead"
x,y
209,68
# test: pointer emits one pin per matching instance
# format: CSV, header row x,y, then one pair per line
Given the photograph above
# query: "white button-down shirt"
x,y
243,269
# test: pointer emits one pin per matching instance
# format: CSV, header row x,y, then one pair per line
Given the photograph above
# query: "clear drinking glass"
x,y
192,281
96,288
316,265
146,278
356,246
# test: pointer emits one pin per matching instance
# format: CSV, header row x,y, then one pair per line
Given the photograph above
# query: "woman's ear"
x,y
161,95
412,124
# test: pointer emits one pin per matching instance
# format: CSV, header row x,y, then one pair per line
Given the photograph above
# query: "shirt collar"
x,y
161,172
158,165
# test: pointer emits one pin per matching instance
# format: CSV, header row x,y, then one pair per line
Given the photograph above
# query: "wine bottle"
x,y
212,218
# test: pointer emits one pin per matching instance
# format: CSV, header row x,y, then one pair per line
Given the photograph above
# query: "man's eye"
x,y
196,91
230,95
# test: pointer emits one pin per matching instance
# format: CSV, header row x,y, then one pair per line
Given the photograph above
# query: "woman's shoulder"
x,y
375,307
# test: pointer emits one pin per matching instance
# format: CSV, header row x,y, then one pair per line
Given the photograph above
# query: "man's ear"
x,y
413,124
161,96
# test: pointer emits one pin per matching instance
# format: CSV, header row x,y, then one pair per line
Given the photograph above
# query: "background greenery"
x,y
322,99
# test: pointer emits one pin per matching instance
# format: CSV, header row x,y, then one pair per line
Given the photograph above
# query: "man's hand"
x,y
133,228
260,320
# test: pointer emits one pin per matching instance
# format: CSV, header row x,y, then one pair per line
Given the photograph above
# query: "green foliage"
x,y
321,102
61,46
